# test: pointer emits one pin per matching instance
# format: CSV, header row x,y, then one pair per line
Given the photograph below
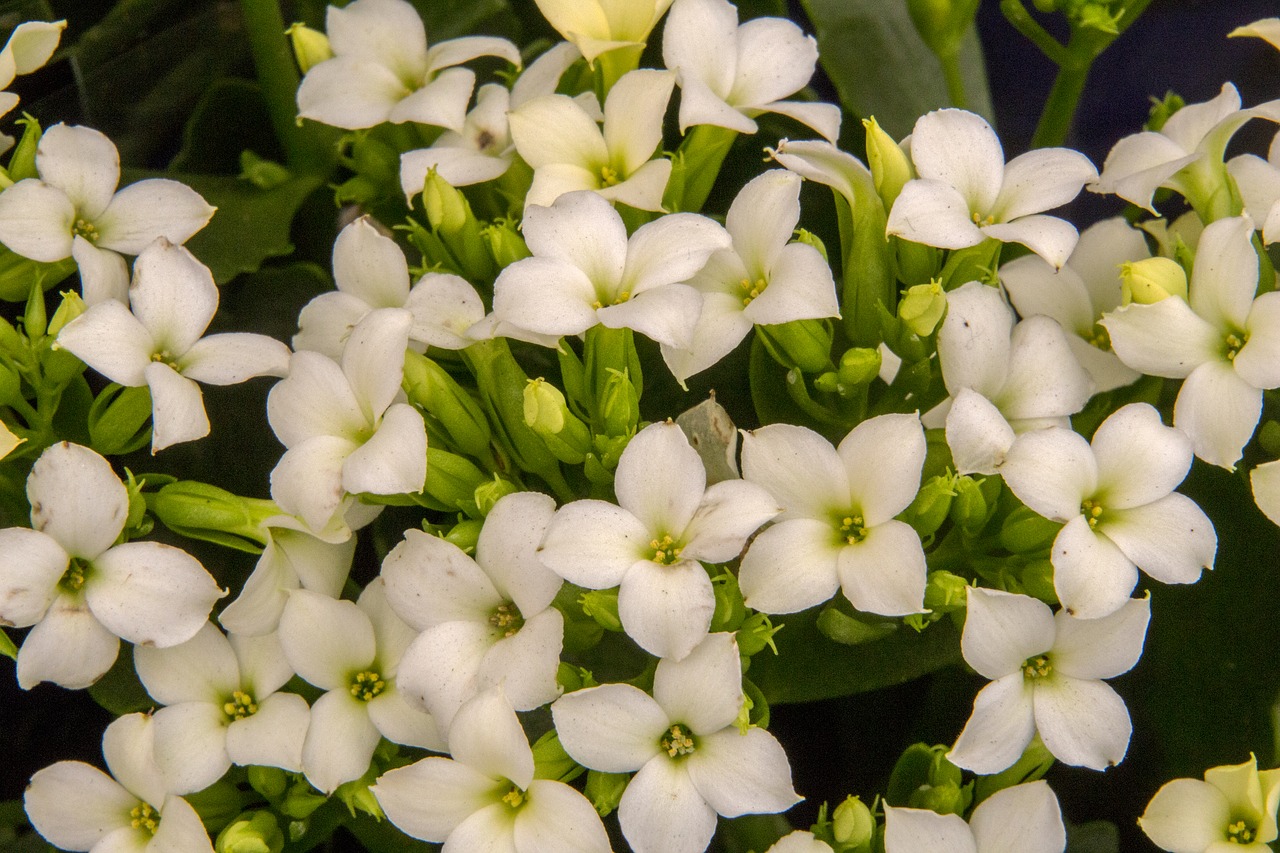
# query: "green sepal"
x,y
430,387
850,630
7,648
208,513
976,263
550,761
120,419
604,790
1032,765
22,162
695,166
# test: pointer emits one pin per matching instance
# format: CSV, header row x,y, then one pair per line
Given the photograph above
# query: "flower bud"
x,y
890,168
811,239
465,534
201,511
853,630
550,761
252,832
1037,581
969,508
755,634
1024,531
602,606
447,209
619,404
270,782
119,419
429,386
923,307
942,23
852,824
22,162
310,47
801,344
943,799
547,413
488,494
604,790
505,243
17,274
218,804
1152,279
11,340
859,365
357,797
1163,109
10,385
71,307
730,608
35,319
931,505
452,480
945,592
262,173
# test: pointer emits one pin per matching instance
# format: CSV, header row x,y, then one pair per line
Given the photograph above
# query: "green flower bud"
x,y
969,508
465,534
1152,279
943,799
1037,581
490,493
216,805
22,162
828,383
201,511
10,386
923,307
859,365
945,592
1099,17
262,173
430,387
447,209
604,790
801,344
11,340
1024,531
357,797
619,404
570,677
452,480
917,264
755,634
811,239
270,782
71,307
602,606
942,23
252,832
35,320
119,419
18,274
730,608
890,168
852,824
1163,109
550,761
505,243
931,505
547,413
310,47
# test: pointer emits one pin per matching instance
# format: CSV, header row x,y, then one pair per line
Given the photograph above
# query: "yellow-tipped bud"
x,y
1151,280
890,168
922,308
310,47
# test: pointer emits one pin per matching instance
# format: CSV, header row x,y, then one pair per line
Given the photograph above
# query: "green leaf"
x,y
212,144
447,19
881,67
809,666
7,648
1098,836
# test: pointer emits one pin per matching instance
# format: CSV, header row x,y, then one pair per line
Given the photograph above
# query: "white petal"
x,y
933,213
492,828
32,43
1044,380
1002,630
110,339
177,407
1265,480
1101,648
180,829
526,664
76,499
667,314
660,479
429,798
325,323
315,400
1052,471
885,572
543,74
431,581
1140,460
394,460
486,736
387,32
507,550
960,149
272,737
643,190
1171,539
798,467
400,722
662,810
68,647
670,249
438,671
156,207
613,728
263,666
460,167
1186,815
1165,338
824,118
557,817
883,457
704,690
31,564
666,609
203,669
1000,728
700,41
729,513
1041,180
790,567
150,594
555,180
1049,237
191,745
1022,819
442,102
977,433
326,640
762,217
1258,361
555,129
444,307
233,357
699,104
373,359
81,162
973,342
593,543
73,805
919,830
370,266
340,740
1091,575
103,273
1225,277
307,480
349,93
801,287
547,296
127,749
633,114
742,773
1219,410
1083,723
721,327
775,60
1139,164
36,220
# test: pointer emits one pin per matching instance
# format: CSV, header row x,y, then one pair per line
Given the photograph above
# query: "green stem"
x,y
1017,15
955,79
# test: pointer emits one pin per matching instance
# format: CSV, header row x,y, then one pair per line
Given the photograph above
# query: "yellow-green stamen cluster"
x,y
366,685
1092,512
142,816
852,529
239,706
751,290
979,221
72,579
677,742
1240,832
621,298
609,176
86,229
1235,343
507,619
1037,667
665,551
1099,337
514,798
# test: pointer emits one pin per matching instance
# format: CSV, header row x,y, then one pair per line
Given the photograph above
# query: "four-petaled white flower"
x,y
1116,497
484,622
1021,819
82,591
760,279
352,651
382,69
559,138
837,529
730,74
1232,811
73,209
586,271
76,806
221,707
486,797
157,342
1046,672
966,193
344,431
651,544
598,26
1003,378
1223,340
693,759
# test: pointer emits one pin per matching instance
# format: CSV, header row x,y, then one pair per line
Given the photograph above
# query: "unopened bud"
x,y
262,173
730,609
252,832
270,782
852,823
310,47
604,790
945,592
755,634
811,239
943,799
801,344
505,243
490,493
1025,531
602,606
890,168
22,162
118,420
546,412
859,365
71,307
619,403
969,508
550,761
1151,280
942,23
465,534
452,479
931,505
1162,110
922,308
447,210
201,511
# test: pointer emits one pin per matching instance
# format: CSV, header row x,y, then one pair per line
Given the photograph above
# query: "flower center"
x,y
1036,668
678,742
1099,338
1240,832
1235,343
608,176
515,797
366,685
665,551
750,291
507,619
85,229
239,706
72,579
852,529
142,816
979,221
1092,512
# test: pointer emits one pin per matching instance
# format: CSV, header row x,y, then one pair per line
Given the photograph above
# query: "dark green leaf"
x,y
211,144
7,648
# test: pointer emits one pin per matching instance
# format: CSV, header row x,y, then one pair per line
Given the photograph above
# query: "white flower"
x,y
221,707
730,74
344,431
157,342
1079,293
486,797
586,271
966,193
560,139
382,69
1225,342
1046,674
652,544
484,622
1232,811
73,209
598,26
1116,497
80,590
1265,481
760,279
352,651
78,807
837,529
1021,819
29,47
693,760
1003,378
371,272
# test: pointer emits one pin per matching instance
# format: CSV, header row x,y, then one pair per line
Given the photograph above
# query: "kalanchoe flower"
x,y
560,139
78,807
1223,340
157,342
80,590
1003,378
730,74
760,279
1233,809
1046,674
344,431
693,760
650,546
352,651
837,529
73,209
382,70
1021,819
586,271
597,26
484,622
1117,500
221,707
371,272
1077,295
966,193
486,797
29,47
